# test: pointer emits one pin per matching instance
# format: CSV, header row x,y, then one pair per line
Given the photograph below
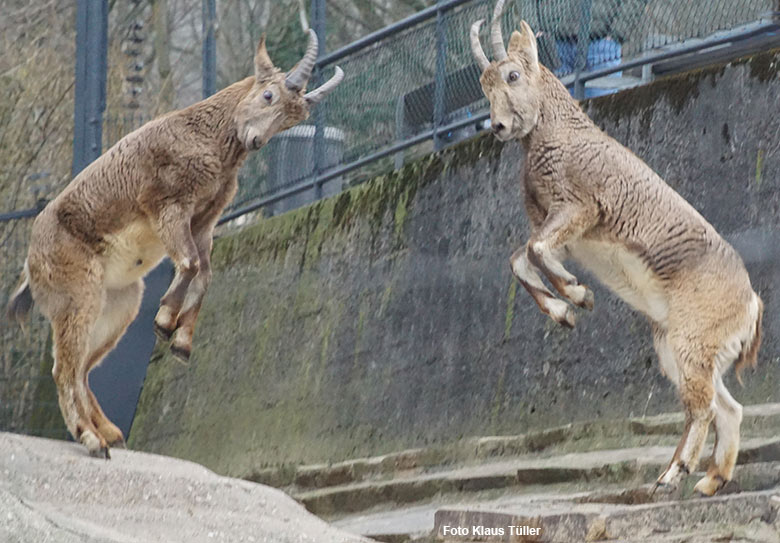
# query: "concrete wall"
x,y
387,318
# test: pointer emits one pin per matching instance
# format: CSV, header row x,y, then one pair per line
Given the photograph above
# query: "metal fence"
x,y
415,83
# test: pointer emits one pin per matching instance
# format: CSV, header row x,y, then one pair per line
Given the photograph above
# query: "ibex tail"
x,y
21,301
749,353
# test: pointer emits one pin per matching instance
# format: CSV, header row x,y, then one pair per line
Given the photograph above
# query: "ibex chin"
x,y
590,198
158,191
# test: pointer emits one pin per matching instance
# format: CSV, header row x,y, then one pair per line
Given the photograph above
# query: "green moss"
x,y
510,308
386,294
389,197
765,66
677,90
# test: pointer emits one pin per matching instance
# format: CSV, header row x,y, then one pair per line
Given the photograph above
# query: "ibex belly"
x,y
625,274
131,253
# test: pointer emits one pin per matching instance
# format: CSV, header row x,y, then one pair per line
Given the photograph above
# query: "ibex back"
x,y
160,190
590,198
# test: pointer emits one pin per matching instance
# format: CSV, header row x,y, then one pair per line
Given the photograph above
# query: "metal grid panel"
x,y
390,90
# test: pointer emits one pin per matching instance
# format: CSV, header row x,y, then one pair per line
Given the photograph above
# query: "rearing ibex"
x,y
590,198
159,190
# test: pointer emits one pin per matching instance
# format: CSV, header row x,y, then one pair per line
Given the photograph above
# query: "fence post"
x,y
318,19
90,100
583,43
440,83
209,19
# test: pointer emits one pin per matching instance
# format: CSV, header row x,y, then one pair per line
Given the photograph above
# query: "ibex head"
x,y
277,101
511,81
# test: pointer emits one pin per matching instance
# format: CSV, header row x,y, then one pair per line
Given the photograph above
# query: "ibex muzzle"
x,y
590,198
277,101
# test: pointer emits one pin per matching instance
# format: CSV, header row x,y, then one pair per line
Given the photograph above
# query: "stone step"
x,y
653,522
637,465
416,522
758,420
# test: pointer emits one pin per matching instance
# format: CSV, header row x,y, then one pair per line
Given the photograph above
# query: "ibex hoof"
x,y
708,485
561,312
672,476
117,441
588,300
96,446
182,353
163,333
568,319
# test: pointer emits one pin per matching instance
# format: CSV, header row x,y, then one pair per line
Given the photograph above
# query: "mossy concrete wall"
x,y
387,318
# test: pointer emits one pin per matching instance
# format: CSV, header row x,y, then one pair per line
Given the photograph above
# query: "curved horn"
x,y
316,96
496,39
476,46
299,75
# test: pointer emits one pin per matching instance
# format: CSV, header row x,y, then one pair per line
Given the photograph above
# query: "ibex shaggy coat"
x,y
590,198
160,190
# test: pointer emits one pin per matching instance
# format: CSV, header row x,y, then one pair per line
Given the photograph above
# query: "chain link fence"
x,y
414,86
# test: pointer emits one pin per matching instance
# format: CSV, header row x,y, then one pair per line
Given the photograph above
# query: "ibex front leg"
x,y
173,227
528,275
182,339
546,249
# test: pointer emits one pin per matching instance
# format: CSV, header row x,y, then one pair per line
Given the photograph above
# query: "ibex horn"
x,y
476,46
315,96
299,75
496,39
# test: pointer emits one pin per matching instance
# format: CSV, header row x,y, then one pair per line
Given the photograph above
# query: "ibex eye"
x,y
514,76
268,95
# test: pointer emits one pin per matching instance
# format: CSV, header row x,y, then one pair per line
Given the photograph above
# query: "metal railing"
x,y
415,82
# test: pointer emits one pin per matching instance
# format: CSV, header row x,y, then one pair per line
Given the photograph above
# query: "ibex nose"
x,y
497,127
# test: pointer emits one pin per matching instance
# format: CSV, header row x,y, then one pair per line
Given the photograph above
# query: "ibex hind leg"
x,y
71,331
119,309
728,417
696,388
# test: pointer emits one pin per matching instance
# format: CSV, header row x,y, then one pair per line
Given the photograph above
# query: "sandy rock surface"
x,y
51,491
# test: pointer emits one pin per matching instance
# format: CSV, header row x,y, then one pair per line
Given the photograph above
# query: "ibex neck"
x,y
215,118
558,112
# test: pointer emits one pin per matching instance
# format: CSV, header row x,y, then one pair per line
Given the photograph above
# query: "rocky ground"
x,y
52,492
581,482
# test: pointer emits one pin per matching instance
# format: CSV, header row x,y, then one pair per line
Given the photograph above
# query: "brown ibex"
x,y
160,190
591,198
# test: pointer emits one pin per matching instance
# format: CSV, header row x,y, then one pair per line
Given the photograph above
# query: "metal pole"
x,y
209,18
90,99
318,20
583,42
440,83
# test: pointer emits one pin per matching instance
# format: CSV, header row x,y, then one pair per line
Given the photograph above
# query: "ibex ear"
x,y
523,44
264,68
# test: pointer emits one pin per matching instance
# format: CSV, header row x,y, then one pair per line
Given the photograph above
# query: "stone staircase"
x,y
587,481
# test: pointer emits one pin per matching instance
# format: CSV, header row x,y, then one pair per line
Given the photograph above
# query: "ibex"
x,y
158,191
590,198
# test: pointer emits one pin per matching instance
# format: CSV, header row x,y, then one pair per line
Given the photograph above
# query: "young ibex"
x,y
590,198
158,191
